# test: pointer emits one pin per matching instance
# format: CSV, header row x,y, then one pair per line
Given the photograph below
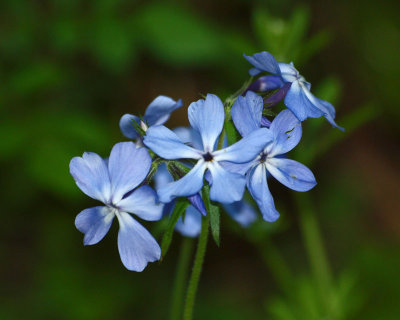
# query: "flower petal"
x,y
190,136
263,61
207,117
128,166
189,185
136,245
227,187
327,108
167,144
245,149
242,212
297,101
191,227
91,175
160,109
240,168
198,203
288,71
94,223
126,126
142,202
286,129
292,174
246,113
162,176
258,187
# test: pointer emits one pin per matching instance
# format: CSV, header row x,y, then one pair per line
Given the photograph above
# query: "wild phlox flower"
x,y
207,119
298,98
116,183
286,132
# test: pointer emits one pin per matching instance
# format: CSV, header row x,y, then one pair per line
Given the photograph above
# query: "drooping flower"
x,y
299,98
116,183
286,133
207,118
158,112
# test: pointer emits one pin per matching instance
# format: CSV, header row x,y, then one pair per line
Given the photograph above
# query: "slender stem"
x,y
182,271
315,249
197,267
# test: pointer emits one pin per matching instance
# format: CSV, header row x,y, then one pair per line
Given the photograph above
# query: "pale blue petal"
x,y
167,144
91,175
192,226
162,176
242,212
128,167
143,203
289,72
292,174
240,168
198,203
286,129
263,61
245,149
189,185
258,187
246,113
297,101
327,108
127,127
227,187
159,110
136,245
94,223
207,118
190,136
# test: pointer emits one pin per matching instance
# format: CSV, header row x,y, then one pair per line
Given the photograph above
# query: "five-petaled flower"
x,y
115,182
299,98
285,132
207,118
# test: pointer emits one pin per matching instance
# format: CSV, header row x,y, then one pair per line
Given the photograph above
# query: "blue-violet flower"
x,y
207,118
115,183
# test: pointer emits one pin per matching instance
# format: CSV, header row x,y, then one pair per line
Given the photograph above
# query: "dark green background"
x,y
70,69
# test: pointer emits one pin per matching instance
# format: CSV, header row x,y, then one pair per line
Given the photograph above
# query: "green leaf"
x,y
214,213
179,209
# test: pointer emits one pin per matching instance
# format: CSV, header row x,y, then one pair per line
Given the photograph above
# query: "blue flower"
x,y
207,119
158,112
115,183
298,99
286,133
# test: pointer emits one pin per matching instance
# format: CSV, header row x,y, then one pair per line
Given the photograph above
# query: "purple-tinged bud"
x,y
277,96
197,202
266,83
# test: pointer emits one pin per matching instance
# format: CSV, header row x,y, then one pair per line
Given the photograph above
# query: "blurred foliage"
x,y
69,69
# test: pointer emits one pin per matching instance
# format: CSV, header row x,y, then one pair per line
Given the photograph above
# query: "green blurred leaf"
x,y
179,36
215,223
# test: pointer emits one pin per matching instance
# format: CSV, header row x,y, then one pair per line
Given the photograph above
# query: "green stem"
x,y
197,267
180,278
315,249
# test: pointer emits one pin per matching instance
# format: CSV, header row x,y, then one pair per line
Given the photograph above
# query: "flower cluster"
x,y
229,148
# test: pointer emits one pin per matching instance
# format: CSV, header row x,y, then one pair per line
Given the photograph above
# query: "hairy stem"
x,y
180,278
196,272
